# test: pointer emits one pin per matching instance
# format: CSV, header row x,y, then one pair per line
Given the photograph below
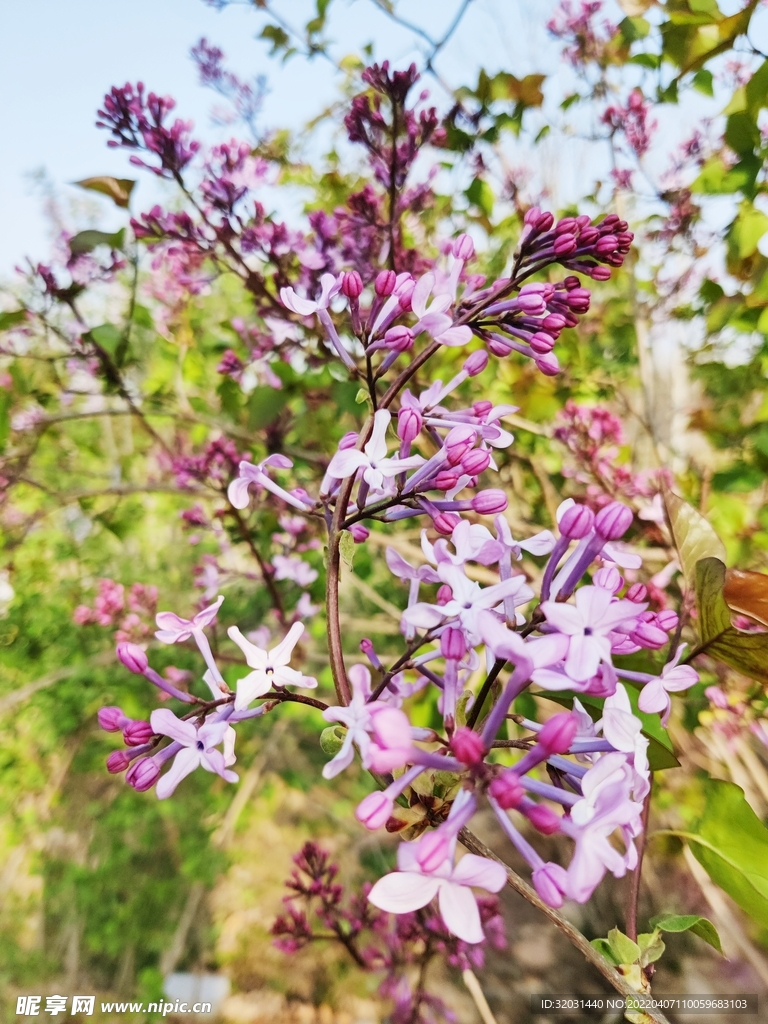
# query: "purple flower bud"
x,y
646,634
399,338
558,734
137,732
578,300
566,226
541,342
530,302
359,532
457,442
385,283
143,775
112,719
497,346
564,244
606,244
445,523
118,761
351,284
132,656
600,273
544,222
453,644
476,362
445,480
542,818
667,620
548,364
463,248
554,322
637,592
467,745
348,441
489,502
506,790
375,810
433,850
409,424
444,594
482,408
577,521
551,883
608,578
404,293
476,461
613,521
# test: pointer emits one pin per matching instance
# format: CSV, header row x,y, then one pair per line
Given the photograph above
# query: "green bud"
x,y
332,738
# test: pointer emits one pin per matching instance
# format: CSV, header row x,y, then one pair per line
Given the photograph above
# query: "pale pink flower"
x,y
654,697
411,887
270,668
372,460
198,748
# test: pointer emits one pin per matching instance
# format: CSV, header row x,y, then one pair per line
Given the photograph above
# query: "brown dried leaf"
x,y
747,593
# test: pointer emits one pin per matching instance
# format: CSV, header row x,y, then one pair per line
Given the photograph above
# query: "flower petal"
x,y
458,908
584,657
254,656
346,462
184,764
165,723
281,654
254,685
480,871
563,617
403,891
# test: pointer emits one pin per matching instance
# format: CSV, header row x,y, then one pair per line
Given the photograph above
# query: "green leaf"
x,y
746,652
731,844
651,947
693,536
118,189
108,337
689,922
264,406
624,949
603,947
746,231
11,318
757,90
86,241
634,28
702,81
347,549
718,179
480,194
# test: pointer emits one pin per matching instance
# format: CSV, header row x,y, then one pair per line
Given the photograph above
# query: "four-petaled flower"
x,y
372,460
433,319
270,668
588,626
198,748
654,696
411,887
173,629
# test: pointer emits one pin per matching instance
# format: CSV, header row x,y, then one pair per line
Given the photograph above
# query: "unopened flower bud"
x,y
349,440
399,338
359,532
609,578
476,461
457,442
558,733
445,480
613,521
490,502
351,284
143,774
385,283
112,719
649,635
548,364
374,811
453,644
551,883
476,362
118,761
564,244
409,424
444,594
638,592
132,656
446,522
542,818
499,346
404,293
506,790
576,522
667,620
433,850
600,273
541,342
332,739
467,745
137,732
463,248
